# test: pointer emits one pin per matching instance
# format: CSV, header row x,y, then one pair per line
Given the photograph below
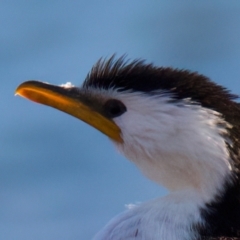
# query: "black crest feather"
x,y
137,75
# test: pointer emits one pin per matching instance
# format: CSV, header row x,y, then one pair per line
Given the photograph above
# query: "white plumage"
x,y
170,143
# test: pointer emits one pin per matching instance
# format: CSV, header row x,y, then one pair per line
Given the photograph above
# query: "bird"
x,y
178,127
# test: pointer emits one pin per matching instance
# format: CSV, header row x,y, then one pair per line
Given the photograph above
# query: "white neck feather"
x,y
180,146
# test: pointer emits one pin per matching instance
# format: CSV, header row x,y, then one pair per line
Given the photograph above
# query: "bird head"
x,y
176,126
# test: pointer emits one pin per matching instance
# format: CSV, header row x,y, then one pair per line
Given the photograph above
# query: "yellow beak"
x,y
66,100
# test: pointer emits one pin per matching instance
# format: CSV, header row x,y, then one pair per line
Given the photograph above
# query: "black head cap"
x,y
136,75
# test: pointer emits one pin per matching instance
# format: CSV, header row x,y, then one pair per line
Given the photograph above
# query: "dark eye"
x,y
114,108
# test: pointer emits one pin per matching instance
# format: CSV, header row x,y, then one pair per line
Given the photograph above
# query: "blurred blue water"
x,y
59,178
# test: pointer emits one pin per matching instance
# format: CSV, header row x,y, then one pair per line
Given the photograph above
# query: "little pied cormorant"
x,y
183,132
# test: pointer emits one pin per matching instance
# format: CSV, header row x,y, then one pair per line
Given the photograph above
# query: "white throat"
x,y
179,145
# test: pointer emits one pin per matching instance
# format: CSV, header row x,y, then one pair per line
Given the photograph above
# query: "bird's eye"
x,y
114,108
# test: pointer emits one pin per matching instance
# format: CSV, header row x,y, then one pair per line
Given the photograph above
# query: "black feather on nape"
x,y
136,75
